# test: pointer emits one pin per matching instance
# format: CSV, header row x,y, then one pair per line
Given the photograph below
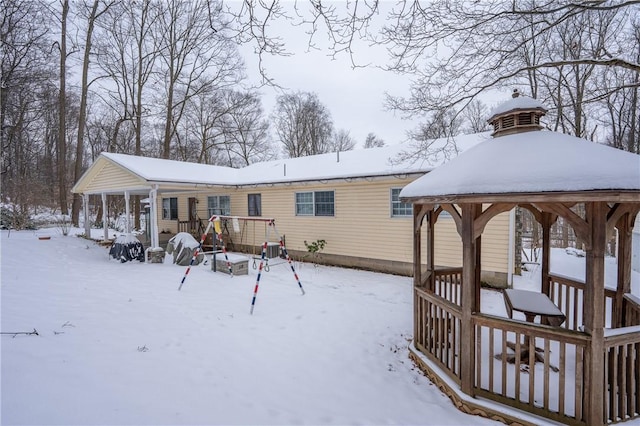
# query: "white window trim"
x,y
218,197
397,216
313,203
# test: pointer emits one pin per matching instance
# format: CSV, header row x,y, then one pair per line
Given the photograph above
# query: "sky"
x,y
354,97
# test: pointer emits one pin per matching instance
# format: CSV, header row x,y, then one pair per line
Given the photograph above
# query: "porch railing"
x,y
195,227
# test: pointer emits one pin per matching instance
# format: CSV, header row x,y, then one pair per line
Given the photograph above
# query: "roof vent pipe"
x,y
285,169
515,93
338,156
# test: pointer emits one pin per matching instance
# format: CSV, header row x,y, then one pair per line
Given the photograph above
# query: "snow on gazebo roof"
x,y
517,103
531,162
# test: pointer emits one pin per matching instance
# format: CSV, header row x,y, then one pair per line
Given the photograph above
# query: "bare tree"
x,y
372,141
303,124
61,148
196,53
342,141
93,14
455,51
27,99
475,116
246,131
204,123
127,55
434,138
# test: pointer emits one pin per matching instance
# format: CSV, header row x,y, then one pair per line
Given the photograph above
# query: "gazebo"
x,y
587,369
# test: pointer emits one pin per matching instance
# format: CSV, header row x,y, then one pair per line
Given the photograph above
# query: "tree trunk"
x,y
77,198
62,110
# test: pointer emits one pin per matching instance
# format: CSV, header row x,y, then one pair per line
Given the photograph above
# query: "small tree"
x,y
315,248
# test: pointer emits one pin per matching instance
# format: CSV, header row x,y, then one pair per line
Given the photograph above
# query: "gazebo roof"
x,y
531,162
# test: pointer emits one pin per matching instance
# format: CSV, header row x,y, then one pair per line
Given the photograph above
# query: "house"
x,y
349,199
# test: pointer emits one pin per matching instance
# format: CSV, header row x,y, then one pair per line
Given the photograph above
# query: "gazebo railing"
x,y
622,374
532,367
568,294
507,371
447,284
437,331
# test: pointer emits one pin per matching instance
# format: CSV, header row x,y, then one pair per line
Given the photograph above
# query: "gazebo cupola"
x,y
520,114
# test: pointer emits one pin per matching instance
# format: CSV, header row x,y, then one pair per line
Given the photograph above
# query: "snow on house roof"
x,y
517,103
160,170
348,164
539,161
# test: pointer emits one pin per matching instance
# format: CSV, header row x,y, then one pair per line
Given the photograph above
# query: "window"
x,y
255,204
323,203
170,208
398,208
319,203
304,203
219,205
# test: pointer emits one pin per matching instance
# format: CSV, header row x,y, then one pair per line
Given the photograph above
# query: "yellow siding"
x,y
362,225
495,244
110,177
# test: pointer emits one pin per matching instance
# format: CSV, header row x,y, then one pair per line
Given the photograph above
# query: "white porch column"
x,y
104,217
153,216
87,221
127,210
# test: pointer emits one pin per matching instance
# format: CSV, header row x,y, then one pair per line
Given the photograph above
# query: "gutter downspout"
x,y
512,247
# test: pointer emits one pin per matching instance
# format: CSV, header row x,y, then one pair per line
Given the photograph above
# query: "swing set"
x,y
270,224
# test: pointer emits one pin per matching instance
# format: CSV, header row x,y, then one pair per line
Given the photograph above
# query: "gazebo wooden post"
x,y
546,253
417,246
625,226
431,251
594,315
469,283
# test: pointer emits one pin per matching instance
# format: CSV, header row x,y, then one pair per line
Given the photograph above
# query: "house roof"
x,y
344,165
531,162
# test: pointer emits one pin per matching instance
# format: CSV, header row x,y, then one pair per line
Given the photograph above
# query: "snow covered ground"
x,y
119,344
